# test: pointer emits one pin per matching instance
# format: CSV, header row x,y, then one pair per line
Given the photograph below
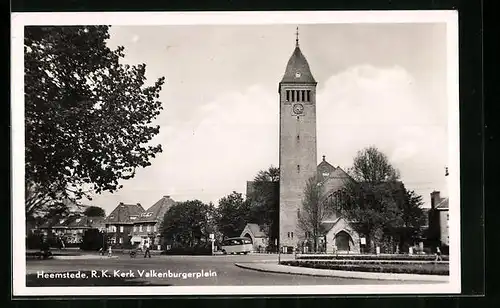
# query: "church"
x,y
298,162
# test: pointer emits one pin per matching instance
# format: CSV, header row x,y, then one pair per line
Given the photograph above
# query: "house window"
x,y
148,228
154,228
121,229
140,228
288,234
291,233
447,216
121,240
135,228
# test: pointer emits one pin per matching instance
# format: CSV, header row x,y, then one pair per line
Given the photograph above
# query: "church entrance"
x,y
247,235
342,240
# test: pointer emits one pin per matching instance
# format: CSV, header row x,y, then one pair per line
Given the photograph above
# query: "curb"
x,y
83,257
284,269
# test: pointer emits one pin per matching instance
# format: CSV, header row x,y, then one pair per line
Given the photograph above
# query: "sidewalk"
x,y
294,270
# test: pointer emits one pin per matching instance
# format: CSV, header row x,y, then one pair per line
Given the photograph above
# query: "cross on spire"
x,y
297,37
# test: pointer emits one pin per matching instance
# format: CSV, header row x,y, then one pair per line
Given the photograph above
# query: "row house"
x,y
146,228
72,228
120,222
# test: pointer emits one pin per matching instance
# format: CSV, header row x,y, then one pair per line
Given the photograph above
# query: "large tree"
x,y
370,198
231,214
264,202
313,212
188,223
94,211
88,117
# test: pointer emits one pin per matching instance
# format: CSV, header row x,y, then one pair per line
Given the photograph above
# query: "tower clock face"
x,y
297,75
298,108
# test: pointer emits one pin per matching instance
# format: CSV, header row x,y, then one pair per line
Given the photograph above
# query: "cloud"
x,y
135,38
231,137
366,105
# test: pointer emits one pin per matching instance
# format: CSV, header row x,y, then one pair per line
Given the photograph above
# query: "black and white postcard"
x,y
235,153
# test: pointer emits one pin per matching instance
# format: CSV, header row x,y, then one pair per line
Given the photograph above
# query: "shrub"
x,y
401,268
394,257
196,250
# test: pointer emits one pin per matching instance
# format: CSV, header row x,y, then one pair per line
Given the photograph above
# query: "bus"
x,y
237,245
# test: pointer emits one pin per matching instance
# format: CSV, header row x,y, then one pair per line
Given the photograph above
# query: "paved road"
x,y
226,273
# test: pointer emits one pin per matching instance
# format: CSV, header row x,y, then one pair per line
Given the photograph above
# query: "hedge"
x,y
405,268
388,257
198,250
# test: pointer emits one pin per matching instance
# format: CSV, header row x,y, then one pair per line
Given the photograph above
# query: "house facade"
x,y
146,228
71,229
438,215
120,222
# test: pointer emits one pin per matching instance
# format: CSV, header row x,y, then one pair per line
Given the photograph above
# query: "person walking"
x,y
147,251
438,255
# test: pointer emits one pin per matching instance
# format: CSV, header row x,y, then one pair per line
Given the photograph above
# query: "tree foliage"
x,y
314,211
370,199
232,214
94,211
187,224
264,201
88,117
372,166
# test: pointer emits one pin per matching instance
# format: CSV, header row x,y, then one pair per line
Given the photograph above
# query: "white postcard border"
x,y
19,20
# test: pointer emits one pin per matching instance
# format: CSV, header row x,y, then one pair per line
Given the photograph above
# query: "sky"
x,y
378,84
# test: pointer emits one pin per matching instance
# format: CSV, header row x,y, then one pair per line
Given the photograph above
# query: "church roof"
x,y
298,64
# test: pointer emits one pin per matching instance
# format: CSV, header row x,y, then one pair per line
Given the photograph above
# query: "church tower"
x,y
297,155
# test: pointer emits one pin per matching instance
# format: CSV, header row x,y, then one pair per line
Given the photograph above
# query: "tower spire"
x,y
297,37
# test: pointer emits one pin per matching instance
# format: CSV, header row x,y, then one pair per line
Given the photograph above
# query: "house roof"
x,y
123,212
256,230
156,212
87,222
443,205
298,64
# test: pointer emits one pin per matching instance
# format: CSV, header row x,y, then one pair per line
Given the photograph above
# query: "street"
x,y
178,271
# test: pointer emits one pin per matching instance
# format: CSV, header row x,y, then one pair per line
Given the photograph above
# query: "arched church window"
x,y
303,95
298,138
287,95
293,96
298,168
308,95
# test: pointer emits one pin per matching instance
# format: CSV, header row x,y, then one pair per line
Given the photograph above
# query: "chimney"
x,y
324,157
435,199
121,203
166,197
